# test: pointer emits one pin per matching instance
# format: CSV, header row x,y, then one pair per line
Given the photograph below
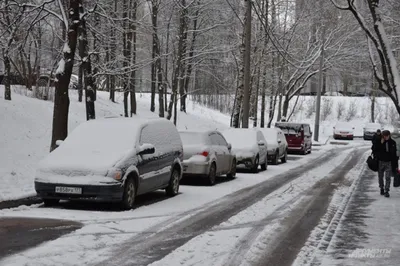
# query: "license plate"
x,y
344,136
69,190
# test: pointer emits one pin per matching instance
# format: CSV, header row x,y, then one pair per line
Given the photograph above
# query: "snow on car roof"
x,y
270,133
97,143
193,137
240,137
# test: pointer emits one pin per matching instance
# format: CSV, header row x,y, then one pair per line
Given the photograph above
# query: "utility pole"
x,y
247,54
320,84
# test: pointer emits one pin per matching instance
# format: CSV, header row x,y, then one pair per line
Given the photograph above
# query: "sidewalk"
x,y
369,232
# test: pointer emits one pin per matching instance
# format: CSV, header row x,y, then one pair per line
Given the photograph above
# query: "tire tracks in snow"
x,y
305,217
161,239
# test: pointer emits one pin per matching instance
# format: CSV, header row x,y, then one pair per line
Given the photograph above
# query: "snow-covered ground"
x,y
25,140
103,230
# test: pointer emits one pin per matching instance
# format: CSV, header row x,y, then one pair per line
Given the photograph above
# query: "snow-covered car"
x,y
277,145
249,147
207,154
370,129
112,160
343,130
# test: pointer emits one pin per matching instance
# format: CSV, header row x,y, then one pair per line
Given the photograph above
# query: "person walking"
x,y
377,136
385,151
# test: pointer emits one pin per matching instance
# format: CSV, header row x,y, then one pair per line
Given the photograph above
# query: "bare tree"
x,y
382,57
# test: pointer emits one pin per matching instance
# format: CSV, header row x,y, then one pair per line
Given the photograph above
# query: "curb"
x,y
19,202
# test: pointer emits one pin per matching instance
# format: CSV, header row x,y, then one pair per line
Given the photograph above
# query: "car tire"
x,y
129,196
264,166
173,186
50,202
212,175
275,159
232,173
254,169
284,158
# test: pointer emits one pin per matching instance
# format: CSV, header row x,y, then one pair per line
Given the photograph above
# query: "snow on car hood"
x,y
69,162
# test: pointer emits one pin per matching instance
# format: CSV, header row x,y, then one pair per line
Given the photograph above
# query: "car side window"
x,y
221,140
161,136
214,139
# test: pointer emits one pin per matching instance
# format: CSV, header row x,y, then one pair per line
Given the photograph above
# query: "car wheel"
x,y
264,166
50,202
212,175
275,159
284,158
255,166
173,186
128,198
232,173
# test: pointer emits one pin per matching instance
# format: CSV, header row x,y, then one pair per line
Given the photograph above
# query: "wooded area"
x,y
176,48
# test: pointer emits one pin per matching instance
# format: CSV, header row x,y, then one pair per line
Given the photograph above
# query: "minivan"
x,y
112,160
298,136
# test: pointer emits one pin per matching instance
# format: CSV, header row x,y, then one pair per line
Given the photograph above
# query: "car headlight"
x,y
115,174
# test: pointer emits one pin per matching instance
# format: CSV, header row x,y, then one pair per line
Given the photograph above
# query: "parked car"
x,y
277,145
249,147
343,130
207,154
370,129
113,160
298,136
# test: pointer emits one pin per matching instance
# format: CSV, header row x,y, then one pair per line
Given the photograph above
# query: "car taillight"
x,y
204,153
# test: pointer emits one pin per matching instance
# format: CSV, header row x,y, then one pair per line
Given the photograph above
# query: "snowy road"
x,y
247,221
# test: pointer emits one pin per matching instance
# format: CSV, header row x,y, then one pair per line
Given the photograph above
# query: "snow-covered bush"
x,y
310,106
352,111
340,110
327,107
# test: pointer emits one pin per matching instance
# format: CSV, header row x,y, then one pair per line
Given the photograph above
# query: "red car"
x,y
298,136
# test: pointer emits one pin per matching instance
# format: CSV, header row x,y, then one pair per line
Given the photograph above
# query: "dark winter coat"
x,y
376,138
386,151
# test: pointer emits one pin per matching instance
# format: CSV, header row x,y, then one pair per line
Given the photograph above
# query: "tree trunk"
x,y
86,66
178,63
239,94
7,73
80,82
255,110
183,45
63,75
133,52
190,59
113,48
153,55
285,107
126,55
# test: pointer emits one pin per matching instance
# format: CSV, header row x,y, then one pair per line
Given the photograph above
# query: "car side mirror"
x,y
146,149
59,142
229,146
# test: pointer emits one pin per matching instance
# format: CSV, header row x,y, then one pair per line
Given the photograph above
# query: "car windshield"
x,y
289,129
192,138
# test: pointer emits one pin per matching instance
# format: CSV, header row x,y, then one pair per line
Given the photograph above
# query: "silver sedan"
x,y
207,154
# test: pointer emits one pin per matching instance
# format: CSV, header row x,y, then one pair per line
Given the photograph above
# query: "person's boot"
x,y
387,195
382,192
